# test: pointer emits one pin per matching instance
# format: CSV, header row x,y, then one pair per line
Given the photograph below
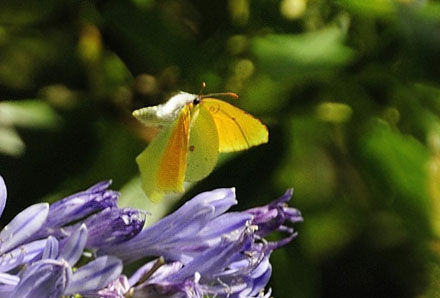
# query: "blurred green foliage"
x,y
350,90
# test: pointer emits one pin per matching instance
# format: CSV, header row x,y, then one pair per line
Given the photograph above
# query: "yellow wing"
x,y
237,129
173,164
203,146
163,163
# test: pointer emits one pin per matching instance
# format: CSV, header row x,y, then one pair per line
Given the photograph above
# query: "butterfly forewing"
x,y
237,129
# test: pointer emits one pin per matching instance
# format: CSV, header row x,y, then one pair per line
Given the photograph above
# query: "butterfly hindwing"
x,y
203,146
148,162
163,163
237,129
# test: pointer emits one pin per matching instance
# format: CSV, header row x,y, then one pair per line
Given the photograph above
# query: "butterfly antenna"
x,y
202,89
222,94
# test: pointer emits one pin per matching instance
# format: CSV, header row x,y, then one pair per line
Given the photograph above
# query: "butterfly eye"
x,y
196,101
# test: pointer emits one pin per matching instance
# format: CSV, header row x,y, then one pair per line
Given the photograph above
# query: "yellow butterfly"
x,y
196,129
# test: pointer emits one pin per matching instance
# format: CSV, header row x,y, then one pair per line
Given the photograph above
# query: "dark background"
x,y
349,90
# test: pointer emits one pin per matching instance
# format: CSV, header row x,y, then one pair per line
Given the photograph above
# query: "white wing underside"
x,y
165,113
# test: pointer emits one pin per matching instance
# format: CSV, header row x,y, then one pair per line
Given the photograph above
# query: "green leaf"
x,y
370,7
29,114
397,165
284,55
11,143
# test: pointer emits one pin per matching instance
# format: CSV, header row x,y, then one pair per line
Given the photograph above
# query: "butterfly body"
x,y
196,129
166,113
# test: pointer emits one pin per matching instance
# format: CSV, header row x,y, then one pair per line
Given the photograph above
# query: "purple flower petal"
x,y
74,246
6,290
203,207
9,279
81,204
214,259
221,199
51,249
3,195
46,278
244,279
95,275
21,255
8,282
100,186
111,226
116,289
271,217
224,224
23,226
258,279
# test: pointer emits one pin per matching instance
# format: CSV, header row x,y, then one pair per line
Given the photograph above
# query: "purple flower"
x,y
76,207
271,217
45,278
208,251
82,204
203,249
49,262
3,195
111,226
15,248
97,208
234,268
52,276
193,228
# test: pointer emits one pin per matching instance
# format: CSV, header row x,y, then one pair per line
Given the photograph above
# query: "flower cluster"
x,y
42,244
80,244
